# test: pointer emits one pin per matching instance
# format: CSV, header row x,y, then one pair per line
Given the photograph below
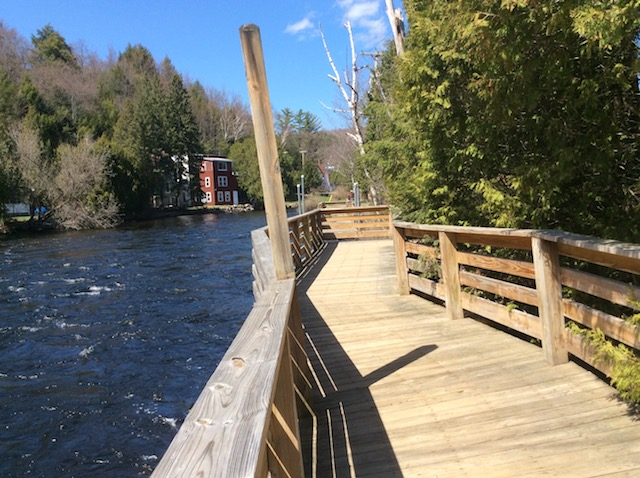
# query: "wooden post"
x,y
450,275
266,145
551,311
400,248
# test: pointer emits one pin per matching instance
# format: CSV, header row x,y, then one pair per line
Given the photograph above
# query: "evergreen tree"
x,y
520,114
50,46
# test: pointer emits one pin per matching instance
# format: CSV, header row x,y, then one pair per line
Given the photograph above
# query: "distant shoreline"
x,y
38,226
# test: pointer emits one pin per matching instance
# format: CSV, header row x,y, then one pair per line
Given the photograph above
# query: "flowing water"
x,y
107,338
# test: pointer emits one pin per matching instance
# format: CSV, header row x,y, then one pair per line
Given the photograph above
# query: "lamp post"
x,y
303,152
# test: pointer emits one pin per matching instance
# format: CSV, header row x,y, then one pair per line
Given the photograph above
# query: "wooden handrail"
x,y
525,294
245,421
227,431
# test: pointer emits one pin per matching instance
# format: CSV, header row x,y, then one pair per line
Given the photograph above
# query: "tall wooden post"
x,y
266,145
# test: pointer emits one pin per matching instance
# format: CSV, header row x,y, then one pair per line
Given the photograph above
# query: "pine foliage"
x,y
518,114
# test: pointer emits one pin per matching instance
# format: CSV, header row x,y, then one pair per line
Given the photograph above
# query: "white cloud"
x,y
369,25
372,32
301,26
362,11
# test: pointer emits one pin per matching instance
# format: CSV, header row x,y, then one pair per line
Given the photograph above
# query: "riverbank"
x,y
47,224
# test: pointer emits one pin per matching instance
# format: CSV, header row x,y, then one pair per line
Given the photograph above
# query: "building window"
x,y
220,197
207,182
222,166
227,196
208,198
223,181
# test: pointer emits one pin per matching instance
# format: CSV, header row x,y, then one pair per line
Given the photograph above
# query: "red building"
x,y
218,183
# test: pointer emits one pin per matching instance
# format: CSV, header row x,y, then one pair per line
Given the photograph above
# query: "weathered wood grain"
x,y
225,432
263,269
270,175
520,293
614,291
611,326
427,286
515,319
400,250
498,264
450,274
422,250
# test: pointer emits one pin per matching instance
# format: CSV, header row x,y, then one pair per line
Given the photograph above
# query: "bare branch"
x,y
336,76
336,110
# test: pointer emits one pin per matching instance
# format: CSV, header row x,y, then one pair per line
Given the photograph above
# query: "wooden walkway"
x,y
405,392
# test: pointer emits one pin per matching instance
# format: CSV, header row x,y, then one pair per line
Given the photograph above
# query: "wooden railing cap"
x,y
608,246
481,231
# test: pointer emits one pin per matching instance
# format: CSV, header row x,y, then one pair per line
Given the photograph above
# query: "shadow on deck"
x,y
402,391
348,437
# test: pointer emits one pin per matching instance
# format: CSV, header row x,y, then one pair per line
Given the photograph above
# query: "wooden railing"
x,y
309,232
245,421
554,278
369,222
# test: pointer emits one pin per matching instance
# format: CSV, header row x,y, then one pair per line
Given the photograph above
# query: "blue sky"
x,y
201,37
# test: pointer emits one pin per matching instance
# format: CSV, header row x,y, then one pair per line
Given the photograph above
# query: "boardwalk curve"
x,y
403,391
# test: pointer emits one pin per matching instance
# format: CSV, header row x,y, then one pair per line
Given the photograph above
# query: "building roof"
x,y
215,158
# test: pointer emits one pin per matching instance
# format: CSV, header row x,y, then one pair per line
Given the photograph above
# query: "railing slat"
x,y
498,264
508,290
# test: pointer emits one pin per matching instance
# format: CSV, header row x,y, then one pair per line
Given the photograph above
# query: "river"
x,y
107,338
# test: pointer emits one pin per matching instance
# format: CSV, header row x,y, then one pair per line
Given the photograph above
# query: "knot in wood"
x,y
238,362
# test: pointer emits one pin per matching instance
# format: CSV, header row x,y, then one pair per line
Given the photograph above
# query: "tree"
x,y
74,188
352,94
51,47
14,51
78,193
520,114
183,136
245,164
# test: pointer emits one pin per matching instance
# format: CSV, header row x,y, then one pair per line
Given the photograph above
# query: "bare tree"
x,y
73,187
29,159
350,90
397,26
14,51
78,193
340,152
235,119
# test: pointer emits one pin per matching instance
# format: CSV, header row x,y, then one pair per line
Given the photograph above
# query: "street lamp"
x,y
303,152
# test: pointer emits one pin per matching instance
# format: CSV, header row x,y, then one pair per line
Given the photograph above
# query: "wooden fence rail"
x,y
531,281
368,222
245,421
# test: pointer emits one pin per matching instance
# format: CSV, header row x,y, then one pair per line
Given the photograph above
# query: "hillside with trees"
x,y
513,114
95,140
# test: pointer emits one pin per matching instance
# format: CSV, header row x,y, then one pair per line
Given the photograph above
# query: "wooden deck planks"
x,y
407,392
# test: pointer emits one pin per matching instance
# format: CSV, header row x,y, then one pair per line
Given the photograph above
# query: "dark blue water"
x,y
107,337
